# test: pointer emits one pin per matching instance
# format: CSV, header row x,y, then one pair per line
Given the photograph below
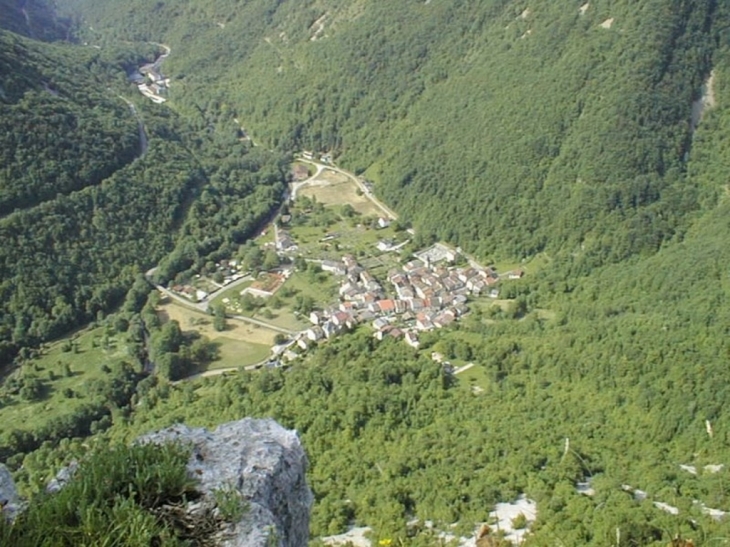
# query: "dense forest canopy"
x,y
62,131
507,128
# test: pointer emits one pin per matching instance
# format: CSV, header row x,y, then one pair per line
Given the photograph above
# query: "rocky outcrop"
x,y
9,500
258,461
62,477
261,461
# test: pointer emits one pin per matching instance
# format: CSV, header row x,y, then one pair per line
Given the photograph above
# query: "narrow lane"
x,y
143,140
203,306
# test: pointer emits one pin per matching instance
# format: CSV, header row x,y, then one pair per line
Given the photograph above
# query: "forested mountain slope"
x,y
507,127
82,209
62,129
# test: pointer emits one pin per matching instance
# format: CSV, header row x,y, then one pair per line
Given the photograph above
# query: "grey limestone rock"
x,y
9,499
265,463
62,478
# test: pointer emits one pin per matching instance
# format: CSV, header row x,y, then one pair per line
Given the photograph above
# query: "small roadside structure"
x,y
386,245
411,339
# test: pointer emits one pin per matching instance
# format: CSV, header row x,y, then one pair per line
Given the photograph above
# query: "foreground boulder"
x,y
261,461
9,500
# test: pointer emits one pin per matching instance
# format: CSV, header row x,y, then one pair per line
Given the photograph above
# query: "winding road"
x,y
295,186
158,62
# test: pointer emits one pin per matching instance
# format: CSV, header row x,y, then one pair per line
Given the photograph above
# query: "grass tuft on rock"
x,y
121,496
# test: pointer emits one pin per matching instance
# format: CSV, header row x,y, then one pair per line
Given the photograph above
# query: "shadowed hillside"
x,y
34,19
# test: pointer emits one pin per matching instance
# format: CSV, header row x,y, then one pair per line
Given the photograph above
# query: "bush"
x,y
230,503
519,522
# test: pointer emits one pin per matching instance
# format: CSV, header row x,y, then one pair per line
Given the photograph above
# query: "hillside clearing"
x,y
332,188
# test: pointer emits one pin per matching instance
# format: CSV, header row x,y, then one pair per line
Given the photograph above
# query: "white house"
x,y
315,333
411,339
333,267
384,245
201,295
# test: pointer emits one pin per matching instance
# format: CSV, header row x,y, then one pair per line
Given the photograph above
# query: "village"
x,y
427,293
431,290
149,79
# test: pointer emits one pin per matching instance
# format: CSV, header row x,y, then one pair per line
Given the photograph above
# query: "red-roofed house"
x,y
386,306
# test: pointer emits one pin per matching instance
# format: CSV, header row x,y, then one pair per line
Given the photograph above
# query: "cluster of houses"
x,y
231,270
426,297
324,158
151,83
189,291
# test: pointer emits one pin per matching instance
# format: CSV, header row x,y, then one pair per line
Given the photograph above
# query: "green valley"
x,y
584,143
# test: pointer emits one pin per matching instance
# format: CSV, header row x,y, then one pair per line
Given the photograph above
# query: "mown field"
x,y
240,345
332,188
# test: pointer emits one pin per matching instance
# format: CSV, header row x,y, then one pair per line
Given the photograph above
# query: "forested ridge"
x,y
62,130
82,212
508,128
